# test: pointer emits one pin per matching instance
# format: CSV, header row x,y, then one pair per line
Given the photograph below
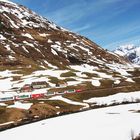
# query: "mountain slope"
x,y
72,69
132,52
35,49
26,36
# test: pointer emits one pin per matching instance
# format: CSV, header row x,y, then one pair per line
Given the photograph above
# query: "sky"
x,y
109,23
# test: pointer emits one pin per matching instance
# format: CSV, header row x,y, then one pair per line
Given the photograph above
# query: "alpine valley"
x,y
47,71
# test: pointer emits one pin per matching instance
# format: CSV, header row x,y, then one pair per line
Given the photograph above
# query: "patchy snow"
x,y
102,75
86,49
50,41
2,37
43,34
20,105
8,73
57,107
3,104
5,84
130,80
117,82
83,68
5,95
69,101
96,83
11,57
122,69
7,123
50,65
29,44
25,48
111,123
117,98
70,83
90,69
7,47
58,43
54,73
28,35
58,48
7,1
54,52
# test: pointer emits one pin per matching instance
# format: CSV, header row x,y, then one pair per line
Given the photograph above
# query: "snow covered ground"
x,y
117,98
111,123
69,101
20,105
7,76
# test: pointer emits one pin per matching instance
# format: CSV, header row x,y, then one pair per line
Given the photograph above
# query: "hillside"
x,y
47,71
29,39
30,42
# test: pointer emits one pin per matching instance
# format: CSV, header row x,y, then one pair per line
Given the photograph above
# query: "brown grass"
x,y
68,74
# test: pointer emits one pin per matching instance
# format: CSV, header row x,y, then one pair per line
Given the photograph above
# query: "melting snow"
x,y
111,123
27,43
68,101
130,80
28,35
20,105
2,37
96,83
117,98
117,82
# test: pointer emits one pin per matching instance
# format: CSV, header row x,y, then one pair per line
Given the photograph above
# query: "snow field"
x,y
117,98
111,123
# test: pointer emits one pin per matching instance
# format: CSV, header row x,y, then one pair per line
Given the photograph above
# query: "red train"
x,y
22,96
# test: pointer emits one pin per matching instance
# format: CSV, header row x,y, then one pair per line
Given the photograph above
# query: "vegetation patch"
x,y
11,114
16,78
107,83
68,74
90,75
64,106
41,110
87,94
69,79
137,80
135,73
53,80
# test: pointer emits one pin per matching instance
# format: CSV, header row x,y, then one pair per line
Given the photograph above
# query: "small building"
x,y
55,91
39,84
26,88
50,93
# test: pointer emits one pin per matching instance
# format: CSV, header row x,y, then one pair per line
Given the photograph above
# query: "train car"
x,y
70,91
78,90
50,93
6,97
38,95
60,92
22,96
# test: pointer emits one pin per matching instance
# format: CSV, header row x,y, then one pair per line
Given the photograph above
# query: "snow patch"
x,y
20,105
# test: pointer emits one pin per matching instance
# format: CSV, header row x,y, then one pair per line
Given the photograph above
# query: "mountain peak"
x,y
131,51
126,47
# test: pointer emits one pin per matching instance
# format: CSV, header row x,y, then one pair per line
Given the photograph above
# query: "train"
x,y
23,96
